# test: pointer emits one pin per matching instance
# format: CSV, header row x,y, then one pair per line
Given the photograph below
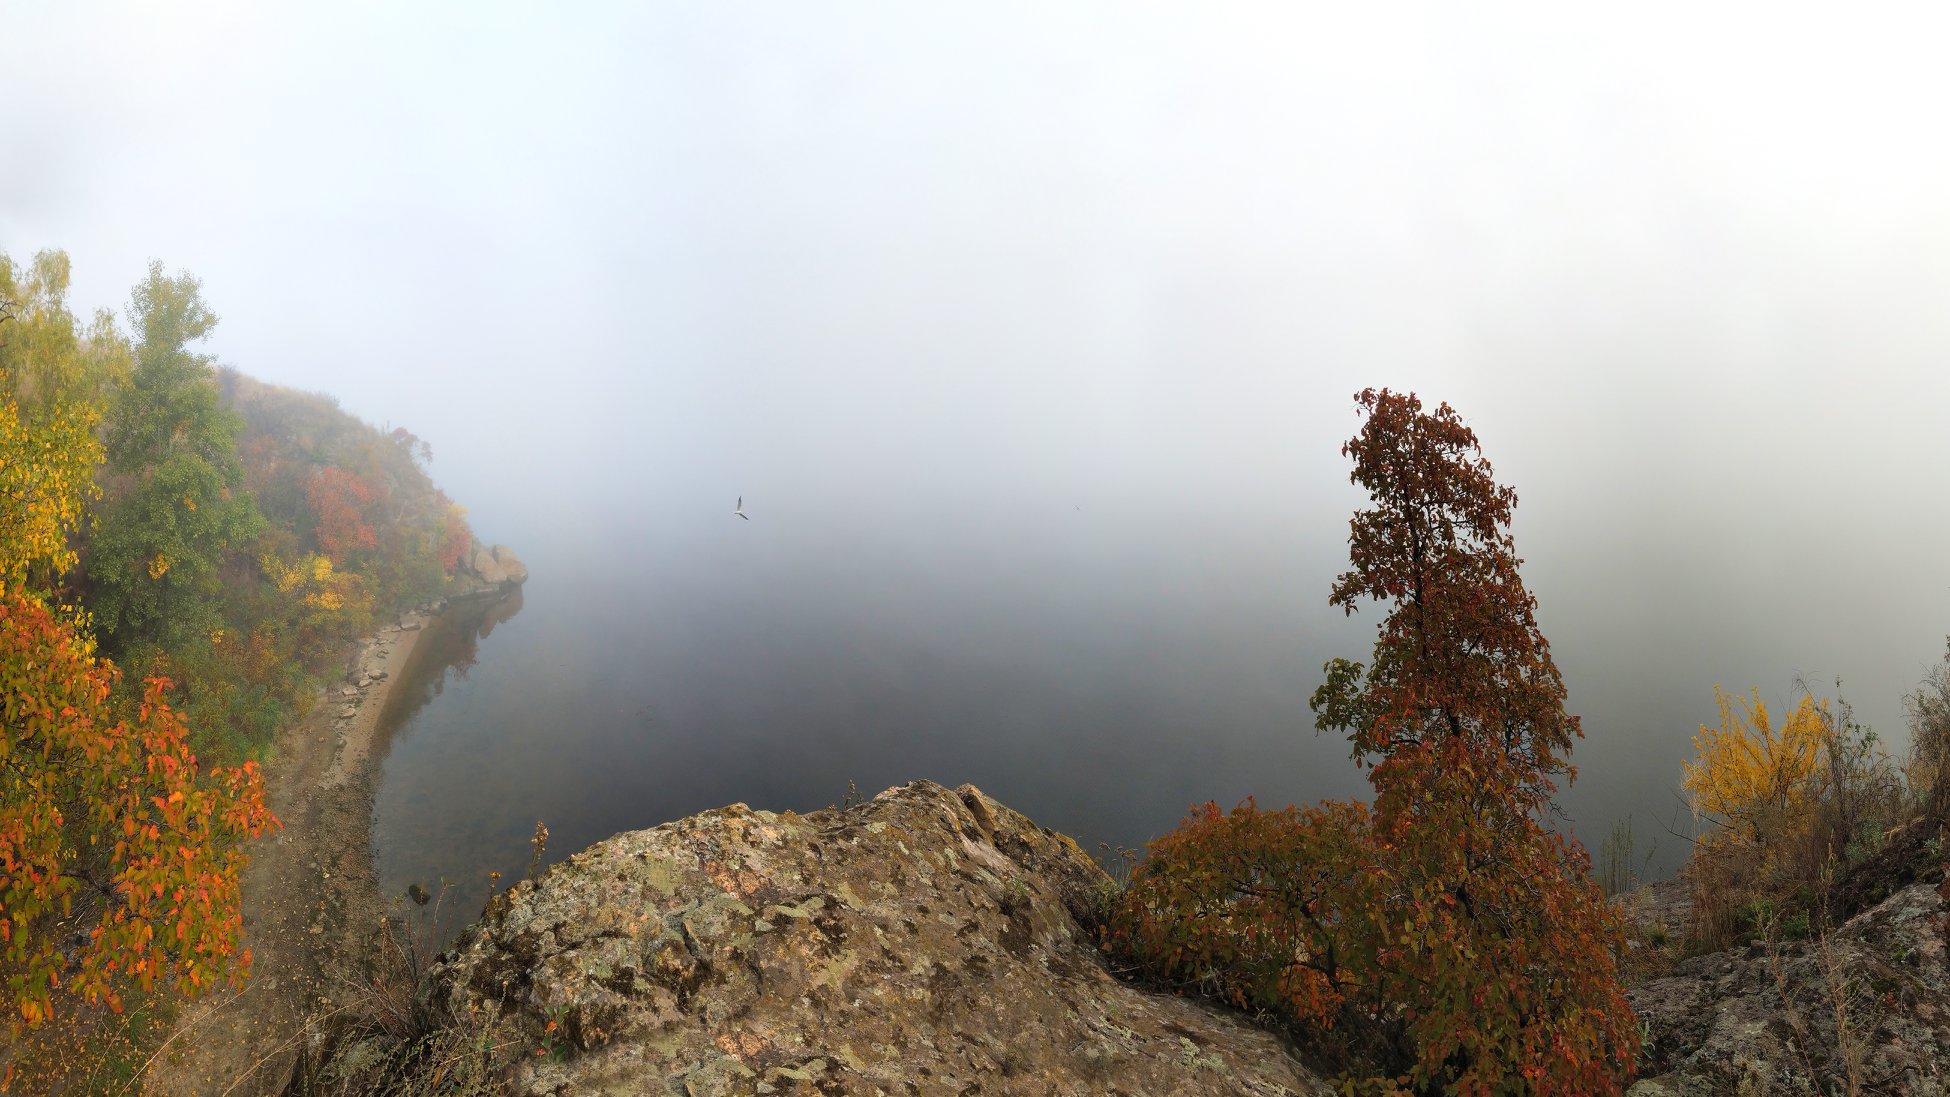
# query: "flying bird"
x,y
739,510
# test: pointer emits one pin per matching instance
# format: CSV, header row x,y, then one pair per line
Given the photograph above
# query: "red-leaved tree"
x,y
1498,946
1488,955
338,501
114,818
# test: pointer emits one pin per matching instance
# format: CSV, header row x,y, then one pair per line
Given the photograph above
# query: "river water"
x,y
1100,672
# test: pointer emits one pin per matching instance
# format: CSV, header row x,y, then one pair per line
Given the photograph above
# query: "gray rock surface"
x,y
511,565
490,570
926,942
498,565
1871,1004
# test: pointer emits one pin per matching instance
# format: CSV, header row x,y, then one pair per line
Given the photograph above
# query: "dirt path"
x,y
311,900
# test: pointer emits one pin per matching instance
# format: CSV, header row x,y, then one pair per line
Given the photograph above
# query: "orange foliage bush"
x,y
1253,908
112,813
1496,950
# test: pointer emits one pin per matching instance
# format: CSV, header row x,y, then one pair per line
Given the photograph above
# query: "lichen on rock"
x,y
1865,1009
925,942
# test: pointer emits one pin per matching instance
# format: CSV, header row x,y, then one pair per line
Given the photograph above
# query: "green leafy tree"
x,y
176,505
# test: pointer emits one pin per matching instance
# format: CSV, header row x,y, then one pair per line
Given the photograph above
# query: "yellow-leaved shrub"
x,y
1753,779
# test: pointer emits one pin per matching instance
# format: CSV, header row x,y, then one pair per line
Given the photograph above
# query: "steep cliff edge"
x,y
924,942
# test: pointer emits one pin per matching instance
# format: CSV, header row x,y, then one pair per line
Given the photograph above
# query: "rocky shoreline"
x,y
359,701
312,908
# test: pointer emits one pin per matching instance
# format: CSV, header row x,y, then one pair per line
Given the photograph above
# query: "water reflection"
x,y
421,833
447,649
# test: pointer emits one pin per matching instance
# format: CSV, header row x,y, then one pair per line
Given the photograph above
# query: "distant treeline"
x,y
198,524
183,551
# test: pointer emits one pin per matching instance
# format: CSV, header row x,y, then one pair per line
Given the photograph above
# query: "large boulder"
x,y
925,942
488,568
499,566
511,566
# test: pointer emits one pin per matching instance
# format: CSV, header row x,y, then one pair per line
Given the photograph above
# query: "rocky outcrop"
x,y
498,565
1865,1010
925,942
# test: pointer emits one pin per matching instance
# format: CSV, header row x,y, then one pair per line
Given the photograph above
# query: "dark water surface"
x,y
1100,670
617,695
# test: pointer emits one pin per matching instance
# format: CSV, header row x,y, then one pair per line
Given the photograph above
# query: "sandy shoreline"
x,y
361,698
311,897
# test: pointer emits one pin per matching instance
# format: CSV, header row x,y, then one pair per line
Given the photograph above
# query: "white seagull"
x,y
739,510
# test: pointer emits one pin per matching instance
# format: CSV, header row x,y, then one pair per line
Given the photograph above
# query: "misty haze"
x,y
878,395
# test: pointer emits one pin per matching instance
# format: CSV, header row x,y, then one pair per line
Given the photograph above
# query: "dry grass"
x,y
1722,879
395,1039
1838,995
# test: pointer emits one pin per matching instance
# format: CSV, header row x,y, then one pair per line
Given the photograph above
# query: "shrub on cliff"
x,y
1927,769
1788,809
1486,949
111,819
1256,908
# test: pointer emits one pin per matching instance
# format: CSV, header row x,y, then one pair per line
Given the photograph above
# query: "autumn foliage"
x,y
47,479
1253,907
220,538
339,500
455,538
1752,778
1487,955
112,816
122,490
1788,807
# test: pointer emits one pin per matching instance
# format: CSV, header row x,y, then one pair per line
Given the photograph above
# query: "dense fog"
x,y
1028,341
